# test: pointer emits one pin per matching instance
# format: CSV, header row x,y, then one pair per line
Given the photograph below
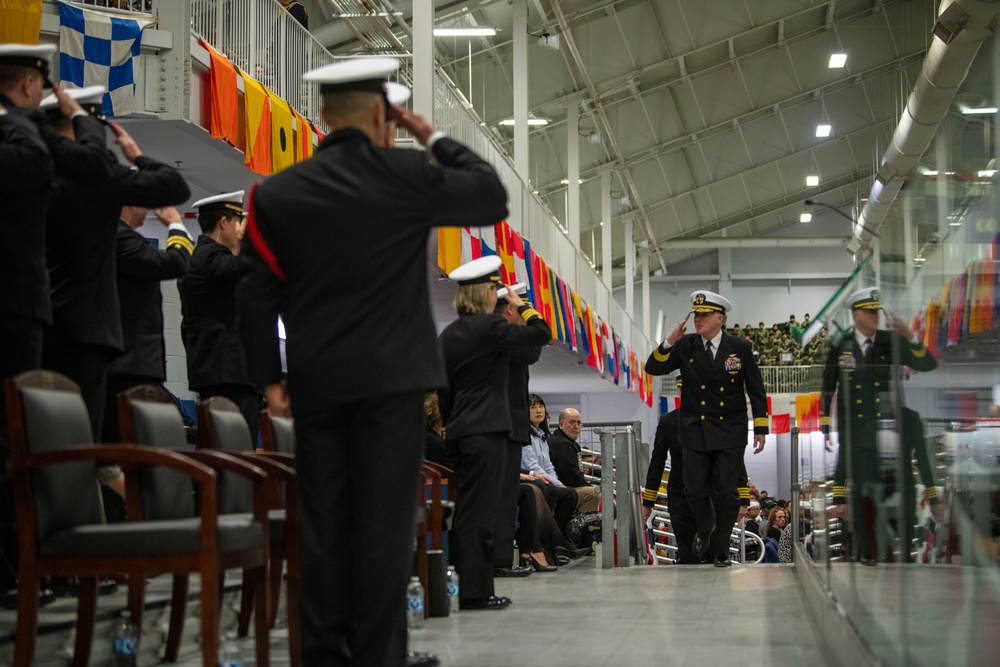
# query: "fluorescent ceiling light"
x,y
823,130
987,173
565,181
479,31
805,217
955,223
531,121
812,181
979,111
838,60
919,259
931,172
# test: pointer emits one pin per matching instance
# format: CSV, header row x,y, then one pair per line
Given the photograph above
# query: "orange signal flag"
x,y
257,126
303,138
224,98
449,248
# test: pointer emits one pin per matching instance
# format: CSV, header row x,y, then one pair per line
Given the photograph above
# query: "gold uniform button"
x,y
703,416
702,386
878,400
721,403
877,384
878,414
857,386
690,361
703,402
720,417
722,388
859,401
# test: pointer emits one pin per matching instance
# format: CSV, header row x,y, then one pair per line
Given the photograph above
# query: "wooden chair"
x,y
440,510
221,427
148,415
53,464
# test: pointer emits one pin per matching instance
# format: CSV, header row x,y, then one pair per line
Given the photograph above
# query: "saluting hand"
x,y
679,331
167,215
416,125
513,299
130,149
758,441
67,105
898,325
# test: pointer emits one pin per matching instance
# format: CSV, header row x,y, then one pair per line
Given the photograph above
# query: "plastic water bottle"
x,y
451,580
414,604
126,642
229,652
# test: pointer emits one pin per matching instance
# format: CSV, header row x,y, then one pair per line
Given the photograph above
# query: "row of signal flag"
x,y
807,413
967,305
274,135
573,322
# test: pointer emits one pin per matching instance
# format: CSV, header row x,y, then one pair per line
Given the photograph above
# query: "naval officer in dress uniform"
x,y
216,365
337,245
477,349
860,370
718,371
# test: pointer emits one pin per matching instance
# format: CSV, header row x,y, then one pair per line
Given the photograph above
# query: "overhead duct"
x,y
960,30
714,243
341,30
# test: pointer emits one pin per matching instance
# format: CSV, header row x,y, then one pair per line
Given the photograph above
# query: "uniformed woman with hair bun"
x,y
476,349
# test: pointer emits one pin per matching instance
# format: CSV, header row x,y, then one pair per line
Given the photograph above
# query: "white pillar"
x,y
173,91
573,169
908,251
520,28
647,328
423,58
726,272
629,269
606,229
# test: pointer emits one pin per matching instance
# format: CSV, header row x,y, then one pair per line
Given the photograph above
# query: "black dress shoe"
x,y
702,541
511,571
492,602
573,553
538,567
421,659
562,560
723,563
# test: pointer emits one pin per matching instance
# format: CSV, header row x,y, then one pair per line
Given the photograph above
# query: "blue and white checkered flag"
x,y
99,48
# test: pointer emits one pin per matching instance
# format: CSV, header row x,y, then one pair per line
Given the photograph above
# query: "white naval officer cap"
x,y
89,98
35,56
360,74
230,201
703,301
517,288
865,299
482,270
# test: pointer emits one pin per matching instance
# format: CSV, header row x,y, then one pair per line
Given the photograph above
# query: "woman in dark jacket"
x,y
476,349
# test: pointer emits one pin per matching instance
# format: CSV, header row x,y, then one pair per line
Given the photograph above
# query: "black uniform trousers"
x,y
711,479
358,472
479,464
87,365
243,396
682,524
503,533
21,345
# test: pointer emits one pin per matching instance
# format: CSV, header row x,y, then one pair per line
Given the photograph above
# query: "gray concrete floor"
x,y
662,615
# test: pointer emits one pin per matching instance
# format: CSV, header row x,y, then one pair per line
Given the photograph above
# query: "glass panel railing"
x,y
905,512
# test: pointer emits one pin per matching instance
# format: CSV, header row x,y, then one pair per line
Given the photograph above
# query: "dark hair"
x,y
209,220
532,400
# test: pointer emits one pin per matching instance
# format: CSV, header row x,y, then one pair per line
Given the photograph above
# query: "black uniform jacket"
x,y
870,379
477,352
210,327
141,267
82,242
565,454
26,174
338,245
666,441
713,408
517,392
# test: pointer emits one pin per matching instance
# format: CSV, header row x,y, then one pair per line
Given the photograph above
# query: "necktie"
x,y
708,350
866,346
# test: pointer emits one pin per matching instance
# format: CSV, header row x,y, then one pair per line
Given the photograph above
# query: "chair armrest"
x,y
223,461
282,457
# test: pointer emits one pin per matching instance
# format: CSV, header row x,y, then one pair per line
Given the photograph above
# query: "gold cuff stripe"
x,y
839,491
659,356
760,421
824,420
744,492
920,352
180,241
650,494
931,492
528,313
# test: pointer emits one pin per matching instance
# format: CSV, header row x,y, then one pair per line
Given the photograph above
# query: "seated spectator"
x,y
776,522
753,517
567,460
536,463
531,512
434,450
